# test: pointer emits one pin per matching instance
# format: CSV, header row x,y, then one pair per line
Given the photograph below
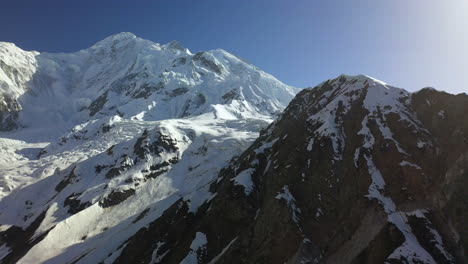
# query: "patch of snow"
x,y
441,113
318,213
421,144
369,139
199,242
410,249
267,167
356,156
310,145
406,163
437,239
4,251
215,259
291,202
265,146
244,179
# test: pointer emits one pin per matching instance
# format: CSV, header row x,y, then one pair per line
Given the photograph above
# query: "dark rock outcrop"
x,y
9,110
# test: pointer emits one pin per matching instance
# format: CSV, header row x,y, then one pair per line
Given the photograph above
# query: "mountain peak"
x,y
362,79
329,102
122,36
349,85
175,45
114,75
9,47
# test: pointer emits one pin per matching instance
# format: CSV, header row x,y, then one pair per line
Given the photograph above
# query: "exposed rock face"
x,y
9,109
354,171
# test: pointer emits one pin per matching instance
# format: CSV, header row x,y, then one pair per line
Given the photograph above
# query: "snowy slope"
x,y
49,94
83,199
104,140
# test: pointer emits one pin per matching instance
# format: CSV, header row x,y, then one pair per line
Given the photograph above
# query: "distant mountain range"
x,y
135,152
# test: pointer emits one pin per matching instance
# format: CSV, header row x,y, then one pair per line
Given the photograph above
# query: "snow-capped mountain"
x,y
136,152
125,77
353,171
98,143
135,79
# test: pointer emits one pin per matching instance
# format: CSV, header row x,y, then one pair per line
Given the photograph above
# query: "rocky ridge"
x,y
353,171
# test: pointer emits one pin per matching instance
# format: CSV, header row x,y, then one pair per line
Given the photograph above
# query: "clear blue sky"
x,y
406,43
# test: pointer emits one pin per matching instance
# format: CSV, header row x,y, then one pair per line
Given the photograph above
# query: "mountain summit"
x,y
133,78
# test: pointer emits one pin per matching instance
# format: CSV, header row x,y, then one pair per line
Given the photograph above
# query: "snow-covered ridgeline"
x,y
136,79
378,100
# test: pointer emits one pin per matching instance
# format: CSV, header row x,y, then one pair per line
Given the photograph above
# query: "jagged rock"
x,y
21,240
9,109
116,197
70,178
74,203
98,104
207,61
